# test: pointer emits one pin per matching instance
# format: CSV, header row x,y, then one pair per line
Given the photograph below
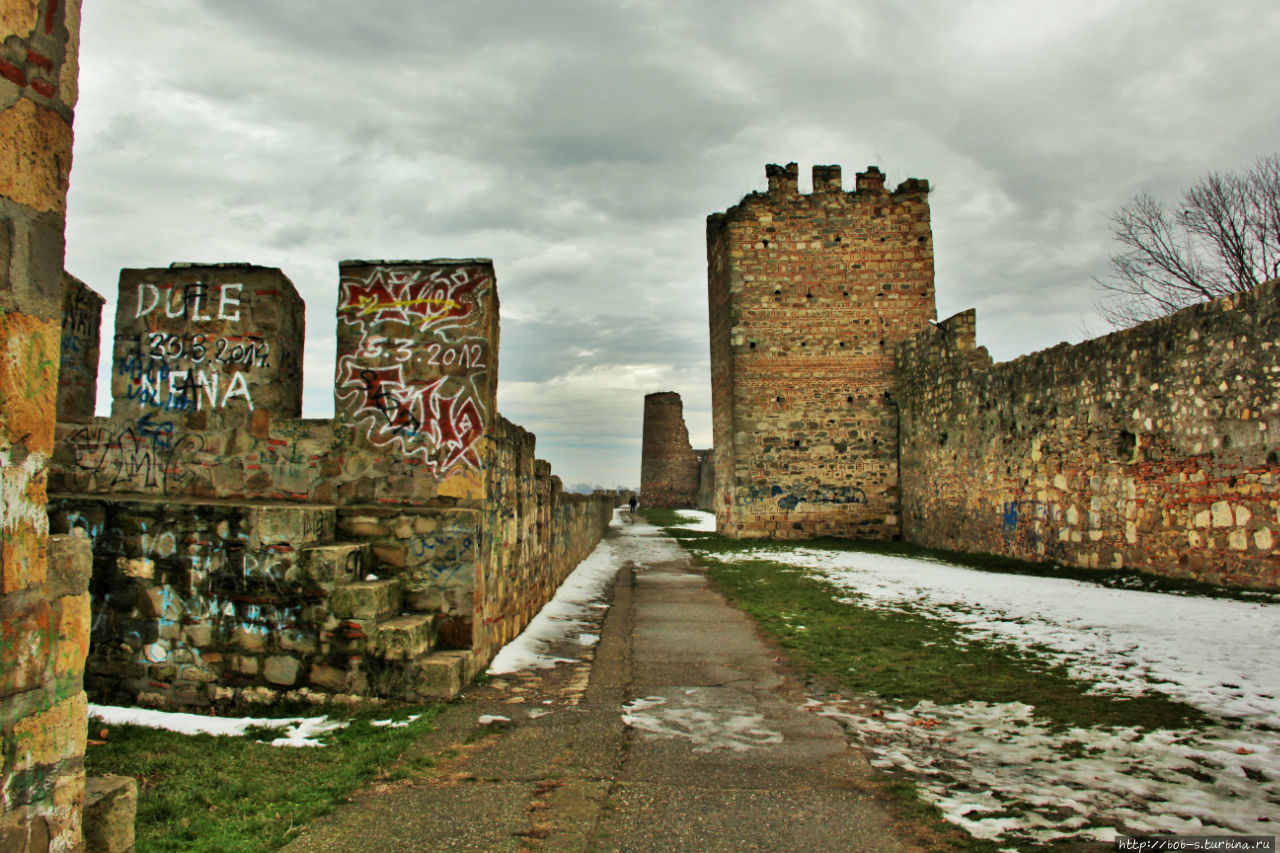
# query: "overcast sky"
x,y
581,145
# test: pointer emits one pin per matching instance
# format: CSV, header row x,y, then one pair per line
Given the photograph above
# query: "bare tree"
x,y
1223,237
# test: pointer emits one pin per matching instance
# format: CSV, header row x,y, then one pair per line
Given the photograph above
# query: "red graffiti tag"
x,y
416,415
408,297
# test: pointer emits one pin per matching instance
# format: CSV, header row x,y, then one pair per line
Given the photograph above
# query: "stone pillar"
x,y
417,378
668,466
207,345
44,604
78,362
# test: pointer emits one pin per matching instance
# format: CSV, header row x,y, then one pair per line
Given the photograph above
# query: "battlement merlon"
x,y
784,182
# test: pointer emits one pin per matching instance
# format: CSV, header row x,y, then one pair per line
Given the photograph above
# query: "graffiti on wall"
x,y
791,499
179,372
146,455
411,382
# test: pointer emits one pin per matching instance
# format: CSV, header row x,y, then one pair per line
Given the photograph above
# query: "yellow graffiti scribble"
x,y
370,305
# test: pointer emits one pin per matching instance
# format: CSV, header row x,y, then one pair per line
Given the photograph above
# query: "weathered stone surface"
x,y
1152,448
281,669
70,565
438,677
405,637
808,294
669,469
110,806
366,600
30,174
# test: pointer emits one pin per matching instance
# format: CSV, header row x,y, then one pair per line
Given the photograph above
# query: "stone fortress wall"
x,y
1154,448
809,294
841,408
241,552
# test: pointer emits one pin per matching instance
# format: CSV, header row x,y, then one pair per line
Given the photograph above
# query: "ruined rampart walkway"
x,y
682,734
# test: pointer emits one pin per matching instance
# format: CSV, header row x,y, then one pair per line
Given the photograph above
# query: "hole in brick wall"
x,y
795,443
844,293
1226,442
777,291
803,344
838,238
921,239
849,399
808,296
1273,457
881,239
777,399
765,243
1126,444
752,345
942,439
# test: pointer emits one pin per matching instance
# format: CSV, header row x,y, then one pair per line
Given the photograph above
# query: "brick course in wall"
x,y
1154,448
808,296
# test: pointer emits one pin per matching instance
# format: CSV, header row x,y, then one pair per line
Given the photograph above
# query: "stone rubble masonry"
x,y
1156,448
44,601
241,553
808,296
669,468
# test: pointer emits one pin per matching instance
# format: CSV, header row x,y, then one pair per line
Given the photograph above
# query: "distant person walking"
x,y
633,503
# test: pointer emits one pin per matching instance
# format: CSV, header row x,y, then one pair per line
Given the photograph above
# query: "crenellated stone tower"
x,y
808,296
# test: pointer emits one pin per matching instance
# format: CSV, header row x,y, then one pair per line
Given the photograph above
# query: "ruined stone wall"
x,y
1156,448
808,296
44,603
81,332
539,534
241,552
668,465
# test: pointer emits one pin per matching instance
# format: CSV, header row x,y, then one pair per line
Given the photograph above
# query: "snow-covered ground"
x,y
567,615
1002,774
298,731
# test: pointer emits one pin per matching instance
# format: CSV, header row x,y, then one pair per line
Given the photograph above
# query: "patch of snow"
x,y
490,719
566,616
389,724
709,721
299,731
1002,774
697,520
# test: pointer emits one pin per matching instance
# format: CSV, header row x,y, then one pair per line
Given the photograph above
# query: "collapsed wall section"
x,y
1156,448
669,468
808,295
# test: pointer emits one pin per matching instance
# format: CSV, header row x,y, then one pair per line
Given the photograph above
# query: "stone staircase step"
x,y
405,637
376,600
328,566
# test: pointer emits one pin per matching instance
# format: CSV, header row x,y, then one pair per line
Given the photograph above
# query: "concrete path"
x,y
680,733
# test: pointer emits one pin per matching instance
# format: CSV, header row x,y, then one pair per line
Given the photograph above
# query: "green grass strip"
x,y
206,794
907,657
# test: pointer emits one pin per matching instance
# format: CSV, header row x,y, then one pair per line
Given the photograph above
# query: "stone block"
x,y
110,807
366,600
281,669
296,526
438,677
51,736
325,566
70,565
405,637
